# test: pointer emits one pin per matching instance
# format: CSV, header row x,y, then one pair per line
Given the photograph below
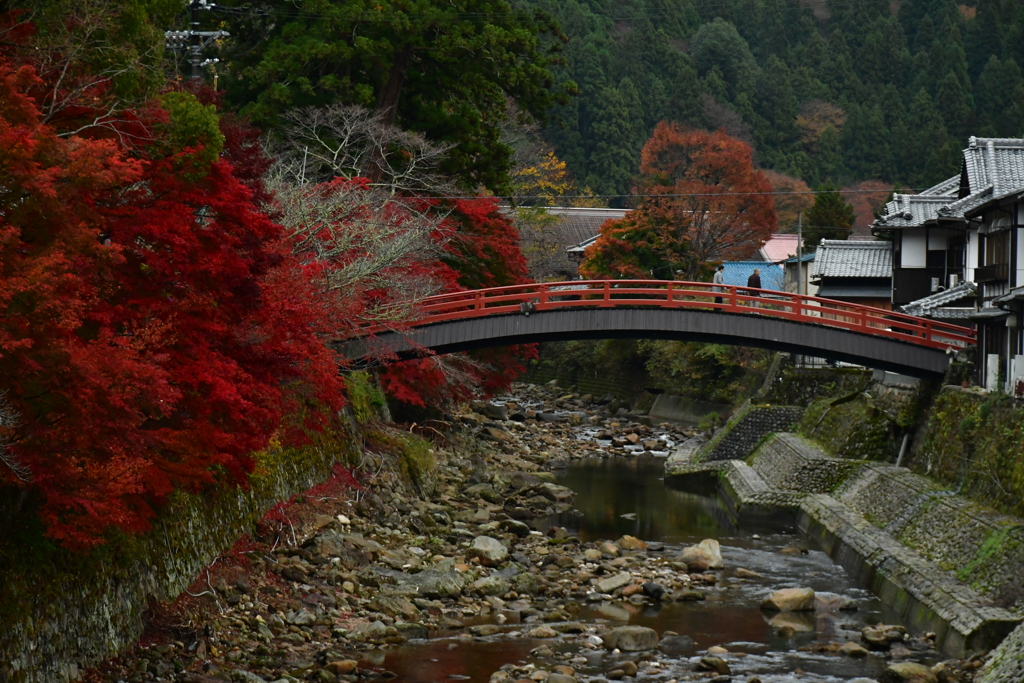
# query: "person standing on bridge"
x,y
718,279
754,281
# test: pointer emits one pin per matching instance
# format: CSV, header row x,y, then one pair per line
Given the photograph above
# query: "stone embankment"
x,y
929,554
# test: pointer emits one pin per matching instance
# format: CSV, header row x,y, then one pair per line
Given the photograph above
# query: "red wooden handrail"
x,y
699,295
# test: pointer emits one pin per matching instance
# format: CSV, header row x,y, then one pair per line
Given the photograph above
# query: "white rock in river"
x,y
790,600
708,550
490,551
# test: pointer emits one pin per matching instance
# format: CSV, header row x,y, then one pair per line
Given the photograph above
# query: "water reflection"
x,y
608,488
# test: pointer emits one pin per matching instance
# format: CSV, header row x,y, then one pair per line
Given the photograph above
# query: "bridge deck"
x,y
669,310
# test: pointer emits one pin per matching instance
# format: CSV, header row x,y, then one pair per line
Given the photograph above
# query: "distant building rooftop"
x,y
992,168
577,224
852,259
779,247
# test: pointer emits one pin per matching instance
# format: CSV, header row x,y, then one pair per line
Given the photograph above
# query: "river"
x,y
626,495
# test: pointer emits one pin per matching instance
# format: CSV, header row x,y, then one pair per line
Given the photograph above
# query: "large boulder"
x,y
908,672
631,543
793,622
490,551
443,581
880,637
715,664
631,638
614,582
491,585
707,554
790,600
676,645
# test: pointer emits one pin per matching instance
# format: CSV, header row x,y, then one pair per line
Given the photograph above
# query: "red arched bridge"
x,y
658,309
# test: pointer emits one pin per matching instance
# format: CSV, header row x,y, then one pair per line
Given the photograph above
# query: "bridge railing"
x,y
528,298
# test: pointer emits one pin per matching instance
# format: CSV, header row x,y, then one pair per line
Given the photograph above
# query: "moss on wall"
x,y
366,399
415,455
61,611
975,443
868,423
802,386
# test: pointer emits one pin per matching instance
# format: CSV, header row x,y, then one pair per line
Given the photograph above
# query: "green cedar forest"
x,y
840,91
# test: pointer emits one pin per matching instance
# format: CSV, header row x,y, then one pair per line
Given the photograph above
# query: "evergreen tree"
x,y
926,132
913,85
719,45
957,109
829,159
998,94
830,218
618,134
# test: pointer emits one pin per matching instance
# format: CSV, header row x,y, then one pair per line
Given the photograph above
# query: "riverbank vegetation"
x,y
707,372
171,279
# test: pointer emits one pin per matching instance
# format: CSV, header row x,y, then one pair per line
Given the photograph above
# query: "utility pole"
x,y
194,39
799,252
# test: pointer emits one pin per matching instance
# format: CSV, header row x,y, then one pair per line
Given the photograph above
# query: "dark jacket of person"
x,y
754,281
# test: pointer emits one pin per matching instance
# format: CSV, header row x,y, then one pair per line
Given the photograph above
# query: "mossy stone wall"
x,y
60,611
975,443
801,386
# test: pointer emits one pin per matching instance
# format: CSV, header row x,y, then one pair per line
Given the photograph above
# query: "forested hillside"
x,y
841,91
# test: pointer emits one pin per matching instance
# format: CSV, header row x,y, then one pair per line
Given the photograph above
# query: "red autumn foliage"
x,y
484,252
705,203
140,342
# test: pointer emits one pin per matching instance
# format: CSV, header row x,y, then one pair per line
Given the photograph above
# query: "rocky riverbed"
x,y
486,578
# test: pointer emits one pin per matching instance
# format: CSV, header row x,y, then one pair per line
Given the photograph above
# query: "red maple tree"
x,y
703,201
484,251
143,344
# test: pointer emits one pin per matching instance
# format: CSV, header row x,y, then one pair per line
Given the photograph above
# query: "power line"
x,y
451,17
528,197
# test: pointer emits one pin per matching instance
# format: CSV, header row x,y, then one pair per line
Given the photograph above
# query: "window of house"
x,y
997,248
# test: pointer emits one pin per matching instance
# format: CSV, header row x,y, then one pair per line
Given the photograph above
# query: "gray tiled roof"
x,y
852,258
578,224
930,305
948,187
574,225
906,210
992,168
994,162
961,207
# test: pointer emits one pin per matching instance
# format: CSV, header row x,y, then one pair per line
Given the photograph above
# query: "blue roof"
x,y
805,258
772,275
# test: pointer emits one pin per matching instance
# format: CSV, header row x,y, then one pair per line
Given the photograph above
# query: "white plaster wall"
x,y
913,248
972,254
1018,272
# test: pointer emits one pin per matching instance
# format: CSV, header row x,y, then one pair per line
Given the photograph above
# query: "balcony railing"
x,y
996,272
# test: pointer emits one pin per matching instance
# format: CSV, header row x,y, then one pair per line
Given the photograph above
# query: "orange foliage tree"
x,y
703,201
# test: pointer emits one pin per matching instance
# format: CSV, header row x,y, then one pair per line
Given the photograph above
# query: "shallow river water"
x,y
619,496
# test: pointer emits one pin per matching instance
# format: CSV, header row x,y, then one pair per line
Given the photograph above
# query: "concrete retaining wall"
x,y
1006,664
849,507
679,409
788,462
748,426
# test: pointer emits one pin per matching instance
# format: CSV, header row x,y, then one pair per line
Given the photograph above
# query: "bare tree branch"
x,y
339,141
8,423
381,237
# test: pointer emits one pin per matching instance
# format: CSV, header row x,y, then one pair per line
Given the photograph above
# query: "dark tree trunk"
x,y
387,107
387,101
